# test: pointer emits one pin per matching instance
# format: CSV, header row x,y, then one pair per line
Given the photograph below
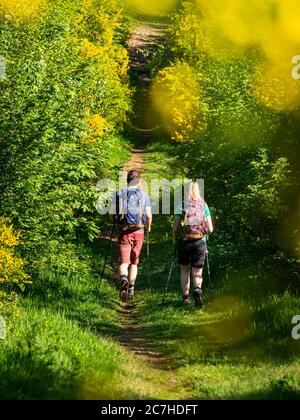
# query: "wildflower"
x,y
22,10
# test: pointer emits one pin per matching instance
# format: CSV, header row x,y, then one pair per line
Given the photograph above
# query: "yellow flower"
x,y
8,237
97,126
90,50
123,60
177,97
11,266
86,138
22,10
86,4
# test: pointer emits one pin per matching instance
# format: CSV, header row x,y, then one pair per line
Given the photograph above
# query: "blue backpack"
x,y
130,211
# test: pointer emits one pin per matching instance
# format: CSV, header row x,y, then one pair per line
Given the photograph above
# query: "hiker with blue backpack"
x,y
192,226
131,210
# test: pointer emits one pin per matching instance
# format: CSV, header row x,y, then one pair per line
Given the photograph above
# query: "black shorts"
x,y
192,252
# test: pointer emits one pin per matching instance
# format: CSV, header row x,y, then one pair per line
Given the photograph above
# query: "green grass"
x,y
48,356
57,348
265,381
237,348
63,345
240,346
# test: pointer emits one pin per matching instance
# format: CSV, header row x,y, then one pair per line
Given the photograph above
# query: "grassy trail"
x,y
133,336
189,354
73,340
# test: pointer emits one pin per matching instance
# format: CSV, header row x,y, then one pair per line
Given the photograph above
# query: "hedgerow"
x,y
65,98
228,102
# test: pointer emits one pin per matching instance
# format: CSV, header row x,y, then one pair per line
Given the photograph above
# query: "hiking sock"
x,y
198,298
124,288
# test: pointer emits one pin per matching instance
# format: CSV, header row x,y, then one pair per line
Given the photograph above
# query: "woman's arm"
x,y
210,224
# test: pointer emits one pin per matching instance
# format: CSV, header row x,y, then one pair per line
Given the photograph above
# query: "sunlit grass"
x,y
240,345
241,382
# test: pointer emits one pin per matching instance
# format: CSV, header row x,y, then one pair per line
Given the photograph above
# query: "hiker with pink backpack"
x,y
190,233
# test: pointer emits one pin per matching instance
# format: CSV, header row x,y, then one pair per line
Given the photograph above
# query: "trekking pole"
x,y
148,246
106,256
148,258
208,271
169,276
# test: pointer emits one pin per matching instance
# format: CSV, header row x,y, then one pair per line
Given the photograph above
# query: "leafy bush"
x,y
11,270
178,98
64,102
243,145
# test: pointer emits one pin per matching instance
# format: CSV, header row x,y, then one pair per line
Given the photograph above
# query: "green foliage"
x,y
64,101
58,348
244,148
49,357
12,274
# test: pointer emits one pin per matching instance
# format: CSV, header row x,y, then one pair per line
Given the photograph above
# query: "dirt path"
x,y
142,46
134,338
163,379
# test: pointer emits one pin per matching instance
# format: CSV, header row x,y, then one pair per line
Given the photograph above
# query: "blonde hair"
x,y
194,192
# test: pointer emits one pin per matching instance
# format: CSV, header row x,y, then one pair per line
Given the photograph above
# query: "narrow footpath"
x,y
144,41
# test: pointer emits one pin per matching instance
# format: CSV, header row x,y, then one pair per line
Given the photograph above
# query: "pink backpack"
x,y
195,222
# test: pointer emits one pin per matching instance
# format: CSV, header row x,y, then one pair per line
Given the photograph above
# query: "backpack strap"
x,y
117,205
123,206
140,195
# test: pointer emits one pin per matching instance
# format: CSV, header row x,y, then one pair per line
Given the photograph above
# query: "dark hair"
x,y
133,177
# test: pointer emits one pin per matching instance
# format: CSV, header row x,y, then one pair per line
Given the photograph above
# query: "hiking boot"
x,y
130,292
124,289
186,300
198,298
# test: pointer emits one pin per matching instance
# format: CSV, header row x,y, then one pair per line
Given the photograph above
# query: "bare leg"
x,y
123,269
185,280
197,277
133,271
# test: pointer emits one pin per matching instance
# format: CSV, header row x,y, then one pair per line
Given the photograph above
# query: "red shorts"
x,y
130,247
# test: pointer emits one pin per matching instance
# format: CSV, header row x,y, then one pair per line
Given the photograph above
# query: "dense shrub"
x,y
12,274
64,101
237,129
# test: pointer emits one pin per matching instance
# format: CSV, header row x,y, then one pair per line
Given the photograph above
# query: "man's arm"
x,y
209,222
